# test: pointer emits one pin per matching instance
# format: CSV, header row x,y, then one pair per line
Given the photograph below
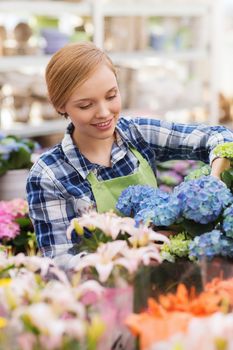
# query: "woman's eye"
x,y
85,107
111,97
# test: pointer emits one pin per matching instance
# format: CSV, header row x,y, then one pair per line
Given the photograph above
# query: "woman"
x,y
101,152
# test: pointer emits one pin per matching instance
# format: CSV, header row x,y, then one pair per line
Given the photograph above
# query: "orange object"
x,y
173,312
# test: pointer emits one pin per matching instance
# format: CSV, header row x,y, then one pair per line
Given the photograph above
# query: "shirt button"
x,y
95,171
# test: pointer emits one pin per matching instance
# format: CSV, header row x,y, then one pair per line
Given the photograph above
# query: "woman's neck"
x,y
96,151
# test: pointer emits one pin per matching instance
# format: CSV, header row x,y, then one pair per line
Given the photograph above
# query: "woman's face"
x,y
95,106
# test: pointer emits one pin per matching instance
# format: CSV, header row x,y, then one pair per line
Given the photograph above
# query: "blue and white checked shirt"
x,y
58,189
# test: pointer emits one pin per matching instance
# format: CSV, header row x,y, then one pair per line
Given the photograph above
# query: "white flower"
x,y
109,223
133,257
62,298
103,259
43,317
143,235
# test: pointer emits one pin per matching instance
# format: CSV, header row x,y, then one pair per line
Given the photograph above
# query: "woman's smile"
x,y
103,125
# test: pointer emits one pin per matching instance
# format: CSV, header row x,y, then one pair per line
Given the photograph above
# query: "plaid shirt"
x,y
58,189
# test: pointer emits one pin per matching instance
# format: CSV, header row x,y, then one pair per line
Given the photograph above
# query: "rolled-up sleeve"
x,y
182,141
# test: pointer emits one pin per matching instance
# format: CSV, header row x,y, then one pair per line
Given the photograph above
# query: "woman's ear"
x,y
62,112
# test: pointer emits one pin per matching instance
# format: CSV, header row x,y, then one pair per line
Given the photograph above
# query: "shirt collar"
x,y
78,161
81,163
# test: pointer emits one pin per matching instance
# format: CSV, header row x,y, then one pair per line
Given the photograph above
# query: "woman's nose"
x,y
103,110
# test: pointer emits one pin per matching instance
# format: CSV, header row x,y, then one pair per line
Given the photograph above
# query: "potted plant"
x,y
15,162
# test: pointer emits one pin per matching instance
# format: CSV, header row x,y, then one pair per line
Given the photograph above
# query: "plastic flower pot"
x,y
13,184
55,40
154,280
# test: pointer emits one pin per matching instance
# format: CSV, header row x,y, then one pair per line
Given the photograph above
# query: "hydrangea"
x,y
228,221
225,150
161,210
177,247
15,153
202,200
211,244
148,204
10,211
130,199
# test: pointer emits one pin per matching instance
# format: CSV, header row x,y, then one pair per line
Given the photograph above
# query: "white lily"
x,y
90,286
143,235
109,223
42,316
32,263
62,298
103,259
133,257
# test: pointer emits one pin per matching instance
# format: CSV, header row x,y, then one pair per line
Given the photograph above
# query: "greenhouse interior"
x,y
116,175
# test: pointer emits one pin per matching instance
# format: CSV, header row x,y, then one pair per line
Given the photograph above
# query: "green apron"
x,y
106,193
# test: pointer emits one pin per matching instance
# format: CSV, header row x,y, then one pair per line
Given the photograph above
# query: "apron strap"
x,y
138,155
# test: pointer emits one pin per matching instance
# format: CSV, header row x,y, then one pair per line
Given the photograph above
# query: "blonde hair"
x,y
70,67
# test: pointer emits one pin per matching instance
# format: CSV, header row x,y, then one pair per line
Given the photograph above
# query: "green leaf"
x,y
19,159
21,239
24,222
227,177
195,229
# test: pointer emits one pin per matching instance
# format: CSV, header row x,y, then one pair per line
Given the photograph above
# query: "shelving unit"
x,y
207,50
208,12
41,128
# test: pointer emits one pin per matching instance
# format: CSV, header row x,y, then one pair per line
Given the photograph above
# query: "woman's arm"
x,y
179,141
51,215
219,165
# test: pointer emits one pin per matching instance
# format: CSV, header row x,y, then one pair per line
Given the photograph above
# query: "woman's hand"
x,y
218,166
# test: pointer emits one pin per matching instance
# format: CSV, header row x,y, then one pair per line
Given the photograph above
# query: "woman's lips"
x,y
103,125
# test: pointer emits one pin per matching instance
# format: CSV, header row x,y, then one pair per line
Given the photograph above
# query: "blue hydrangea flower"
x,y
132,197
149,204
228,221
211,244
162,210
202,200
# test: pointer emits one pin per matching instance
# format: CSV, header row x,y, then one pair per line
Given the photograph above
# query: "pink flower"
x,y
8,229
9,211
27,341
16,208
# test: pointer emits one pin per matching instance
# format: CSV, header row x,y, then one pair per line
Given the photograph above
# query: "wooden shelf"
x,y
38,128
153,8
47,8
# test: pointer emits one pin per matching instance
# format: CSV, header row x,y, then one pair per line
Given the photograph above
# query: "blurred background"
x,y
174,58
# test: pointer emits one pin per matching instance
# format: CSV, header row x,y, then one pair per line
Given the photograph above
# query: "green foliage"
x,y
224,151
178,247
15,153
197,173
227,177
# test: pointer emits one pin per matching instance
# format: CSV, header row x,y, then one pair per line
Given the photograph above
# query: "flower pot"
x,y
13,184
